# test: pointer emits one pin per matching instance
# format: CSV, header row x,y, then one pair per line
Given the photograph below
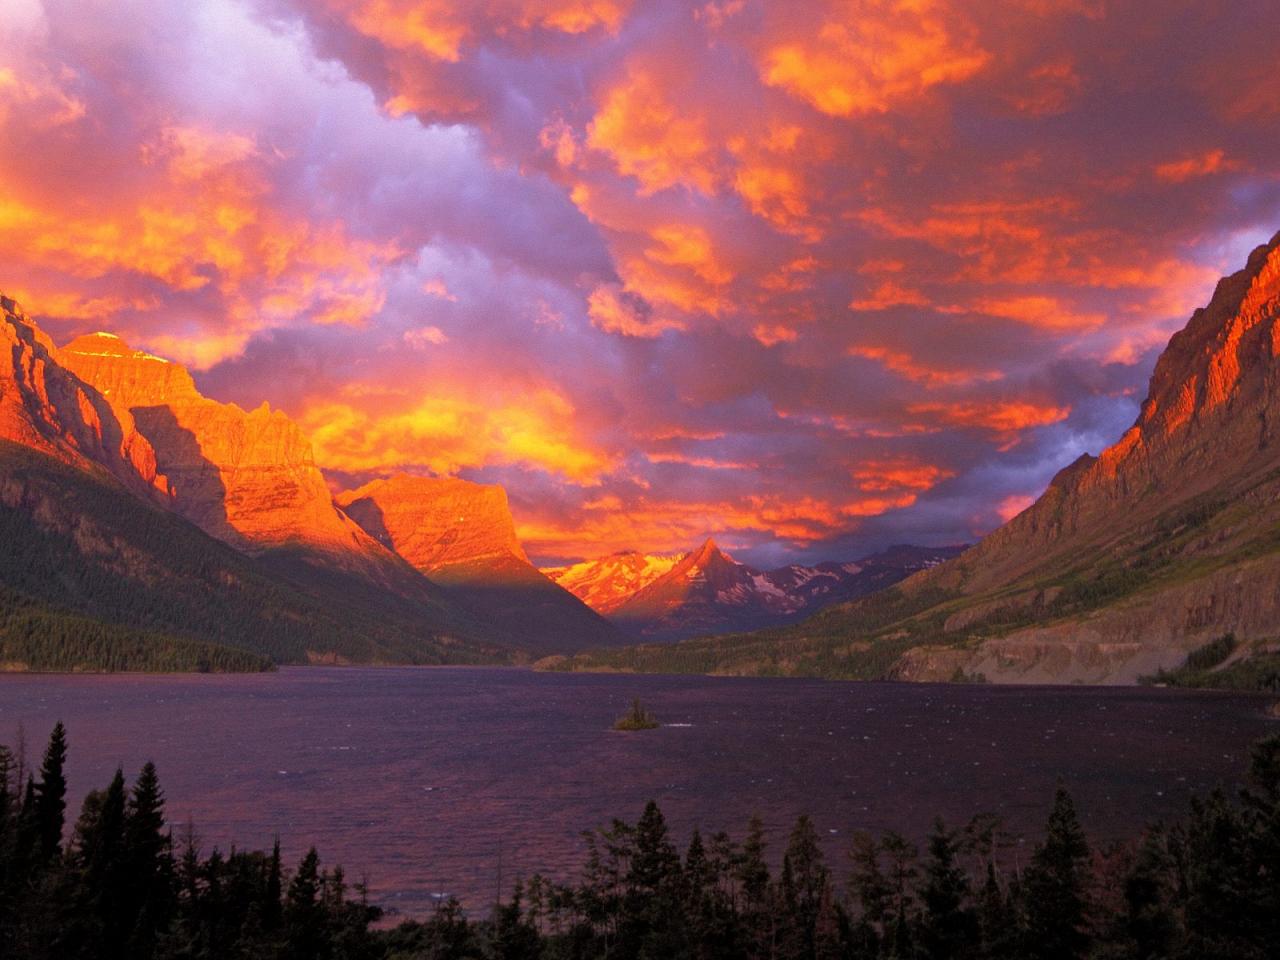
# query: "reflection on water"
x,y
427,780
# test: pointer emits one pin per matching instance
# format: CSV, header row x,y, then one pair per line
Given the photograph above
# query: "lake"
x,y
431,781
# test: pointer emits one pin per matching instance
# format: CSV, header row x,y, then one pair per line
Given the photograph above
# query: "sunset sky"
x,y
813,278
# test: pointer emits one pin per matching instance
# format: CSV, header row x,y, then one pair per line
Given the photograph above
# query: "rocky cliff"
x,y
462,535
45,406
247,478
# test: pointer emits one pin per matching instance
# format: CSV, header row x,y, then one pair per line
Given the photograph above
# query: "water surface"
x,y
427,780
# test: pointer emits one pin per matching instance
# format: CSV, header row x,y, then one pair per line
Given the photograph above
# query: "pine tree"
x,y
271,907
870,889
98,851
9,787
149,863
51,795
651,916
304,916
1150,924
514,937
751,871
805,881
1056,887
948,928
997,920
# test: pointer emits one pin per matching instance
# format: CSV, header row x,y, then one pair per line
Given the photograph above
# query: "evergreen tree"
x,y
514,937
901,857
98,852
998,924
271,908
948,927
51,795
1150,924
304,918
805,882
870,889
149,863
752,875
651,919
1057,887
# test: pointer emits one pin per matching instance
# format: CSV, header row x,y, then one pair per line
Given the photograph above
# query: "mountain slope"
x,y
606,583
80,544
1128,562
707,591
463,537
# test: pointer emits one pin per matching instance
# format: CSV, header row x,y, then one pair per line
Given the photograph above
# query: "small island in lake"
x,y
638,718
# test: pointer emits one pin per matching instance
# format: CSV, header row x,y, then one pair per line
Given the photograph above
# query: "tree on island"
x,y
638,718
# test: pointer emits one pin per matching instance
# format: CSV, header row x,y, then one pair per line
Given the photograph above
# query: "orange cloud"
x,y
911,369
869,55
1047,313
613,310
1012,505
1004,419
1203,165
890,294
1049,90
653,139
889,475
663,525
451,429
206,221
772,334
439,28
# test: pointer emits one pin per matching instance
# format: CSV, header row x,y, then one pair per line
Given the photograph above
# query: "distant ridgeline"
x,y
120,886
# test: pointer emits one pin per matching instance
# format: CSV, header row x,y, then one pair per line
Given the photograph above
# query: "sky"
x,y
812,278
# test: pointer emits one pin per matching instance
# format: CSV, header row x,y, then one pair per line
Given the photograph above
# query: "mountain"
x,y
707,591
97,551
247,478
1129,562
606,583
462,536
47,408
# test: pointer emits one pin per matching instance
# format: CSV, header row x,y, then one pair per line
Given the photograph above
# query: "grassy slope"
x,y
79,545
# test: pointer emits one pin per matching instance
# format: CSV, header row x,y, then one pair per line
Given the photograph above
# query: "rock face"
x,y
45,406
606,583
247,478
437,523
462,535
706,591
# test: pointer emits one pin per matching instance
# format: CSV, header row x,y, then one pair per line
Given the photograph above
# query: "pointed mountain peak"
x,y
707,549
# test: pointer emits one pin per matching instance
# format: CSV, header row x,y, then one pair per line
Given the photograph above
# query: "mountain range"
x,y
149,517
146,523
157,517
1165,545
706,591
